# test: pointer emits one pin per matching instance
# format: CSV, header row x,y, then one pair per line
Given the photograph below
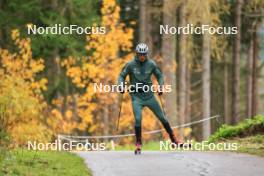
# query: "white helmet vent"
x,y
142,48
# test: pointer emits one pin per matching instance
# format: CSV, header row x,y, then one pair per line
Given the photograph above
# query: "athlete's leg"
x,y
154,106
137,110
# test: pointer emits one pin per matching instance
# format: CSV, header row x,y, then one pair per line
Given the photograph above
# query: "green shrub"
x,y
244,128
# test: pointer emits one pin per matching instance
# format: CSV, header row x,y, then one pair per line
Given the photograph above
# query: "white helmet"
x,y
142,48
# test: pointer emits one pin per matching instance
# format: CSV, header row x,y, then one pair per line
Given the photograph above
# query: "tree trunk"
x,y
106,121
182,68
226,105
75,107
249,79
255,72
168,55
145,34
206,85
1,29
236,64
142,20
206,71
188,92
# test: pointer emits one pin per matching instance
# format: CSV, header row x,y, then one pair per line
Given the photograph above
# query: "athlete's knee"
x,y
162,117
137,124
164,120
137,121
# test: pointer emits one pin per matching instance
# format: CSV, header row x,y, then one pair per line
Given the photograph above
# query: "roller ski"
x,y
173,139
138,149
180,144
138,140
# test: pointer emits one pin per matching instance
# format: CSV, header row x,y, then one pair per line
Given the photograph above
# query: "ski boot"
x,y
173,139
138,149
179,143
138,140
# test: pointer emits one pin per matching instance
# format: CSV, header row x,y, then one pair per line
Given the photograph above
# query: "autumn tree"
x,y
94,108
21,100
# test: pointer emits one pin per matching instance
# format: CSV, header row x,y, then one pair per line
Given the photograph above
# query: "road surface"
x,y
155,163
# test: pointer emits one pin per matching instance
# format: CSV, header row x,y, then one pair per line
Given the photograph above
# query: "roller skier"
x,y
140,69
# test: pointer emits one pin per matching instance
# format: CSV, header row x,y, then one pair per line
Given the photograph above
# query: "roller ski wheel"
x,y
138,149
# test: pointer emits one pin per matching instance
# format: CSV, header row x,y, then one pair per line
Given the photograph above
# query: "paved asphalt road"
x,y
155,163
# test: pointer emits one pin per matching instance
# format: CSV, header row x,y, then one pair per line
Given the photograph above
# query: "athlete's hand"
x,y
121,90
160,93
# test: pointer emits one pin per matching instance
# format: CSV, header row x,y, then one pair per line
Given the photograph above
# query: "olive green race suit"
x,y
140,73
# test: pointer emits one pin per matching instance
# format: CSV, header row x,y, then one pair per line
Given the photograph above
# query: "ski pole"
x,y
119,113
162,107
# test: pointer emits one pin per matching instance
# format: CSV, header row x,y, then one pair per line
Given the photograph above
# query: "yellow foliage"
x,y
22,64
101,66
62,122
21,100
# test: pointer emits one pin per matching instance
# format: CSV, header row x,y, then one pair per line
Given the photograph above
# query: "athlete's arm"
x,y
123,74
158,74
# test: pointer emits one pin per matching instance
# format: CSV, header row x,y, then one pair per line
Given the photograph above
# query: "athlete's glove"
x,y
160,93
121,90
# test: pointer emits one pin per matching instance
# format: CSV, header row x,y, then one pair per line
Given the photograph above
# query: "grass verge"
x,y
42,163
150,146
247,127
250,144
